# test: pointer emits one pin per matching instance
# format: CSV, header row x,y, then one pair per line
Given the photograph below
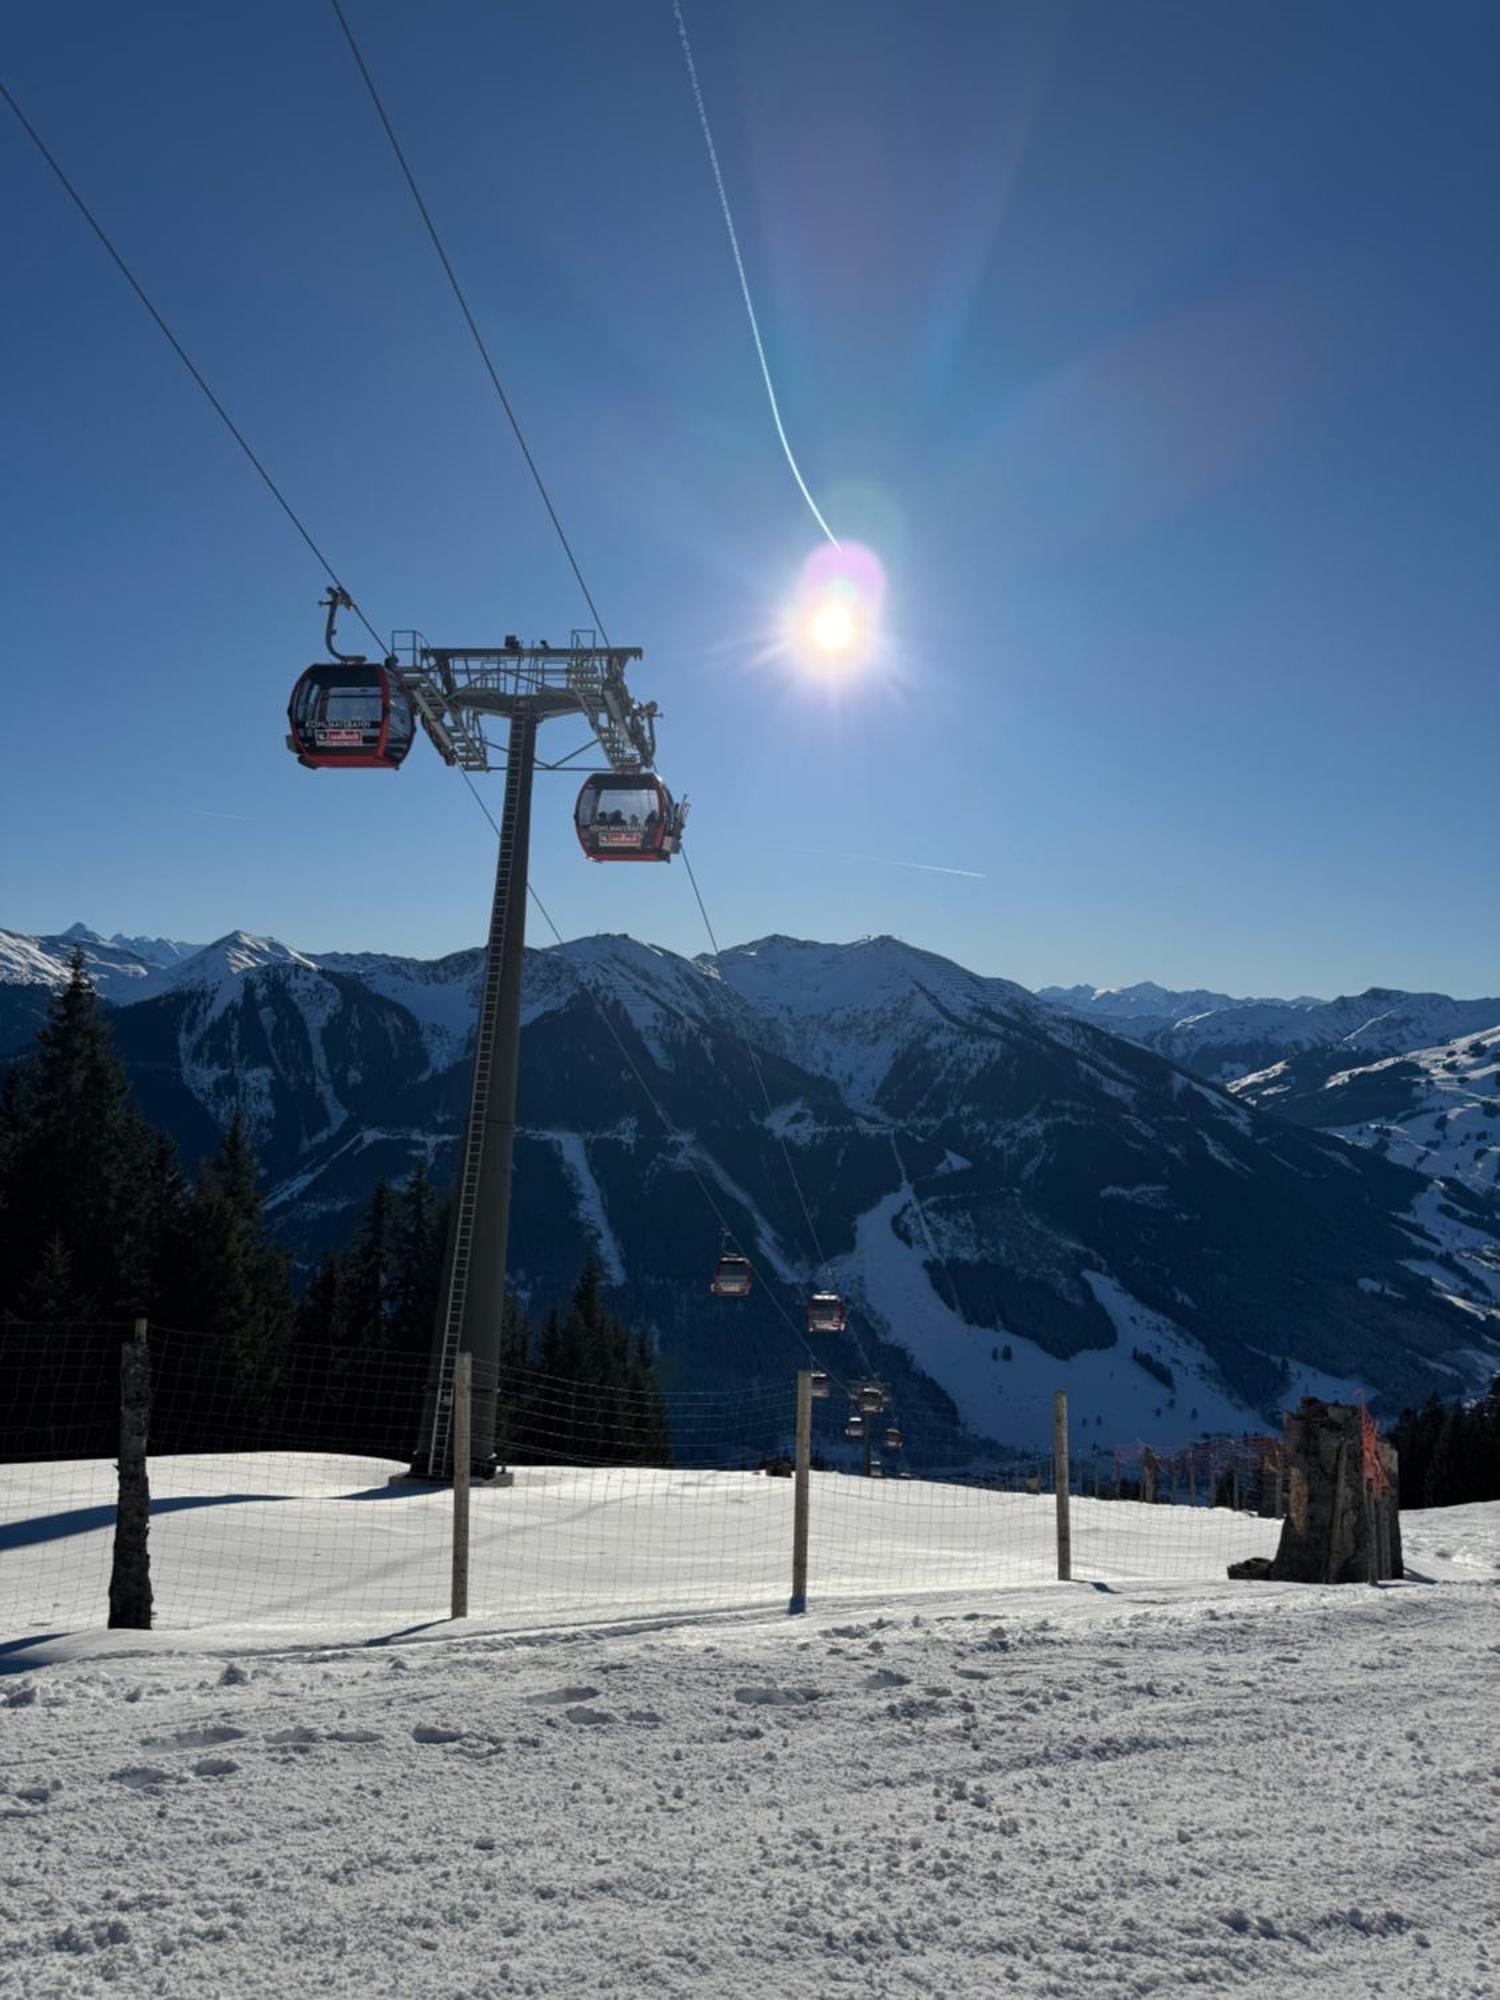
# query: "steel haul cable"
x,y
678,1136
766,1095
469,320
185,358
303,531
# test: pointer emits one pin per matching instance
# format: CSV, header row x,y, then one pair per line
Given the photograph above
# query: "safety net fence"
x,y
281,1494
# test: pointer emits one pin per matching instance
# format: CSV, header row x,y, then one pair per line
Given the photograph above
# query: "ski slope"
x,y
1055,1790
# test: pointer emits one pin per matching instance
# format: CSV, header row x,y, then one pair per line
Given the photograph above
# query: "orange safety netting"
x,y
1375,1475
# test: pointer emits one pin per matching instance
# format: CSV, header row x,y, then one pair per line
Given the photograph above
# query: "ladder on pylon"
x,y
466,1193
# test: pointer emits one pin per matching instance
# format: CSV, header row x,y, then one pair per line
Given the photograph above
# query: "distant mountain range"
x,y
986,1172
1437,1109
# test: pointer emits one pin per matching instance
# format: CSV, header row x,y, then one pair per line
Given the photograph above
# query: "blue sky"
x,y
1151,346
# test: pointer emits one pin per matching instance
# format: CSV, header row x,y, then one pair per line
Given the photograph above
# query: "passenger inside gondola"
x,y
628,816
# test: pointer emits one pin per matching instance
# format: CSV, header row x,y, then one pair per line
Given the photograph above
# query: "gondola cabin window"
x,y
353,714
627,816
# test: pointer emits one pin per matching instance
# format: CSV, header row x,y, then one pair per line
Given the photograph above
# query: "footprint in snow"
x,y
433,1732
885,1677
144,1777
215,1767
208,1737
561,1697
777,1697
588,1715
299,1737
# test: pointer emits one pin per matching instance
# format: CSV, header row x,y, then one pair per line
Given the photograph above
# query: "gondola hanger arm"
x,y
337,600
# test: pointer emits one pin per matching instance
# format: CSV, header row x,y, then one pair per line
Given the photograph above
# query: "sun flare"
x,y
831,627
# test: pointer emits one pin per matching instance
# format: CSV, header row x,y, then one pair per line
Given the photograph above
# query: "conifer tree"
x,y
74,1168
319,1316
517,1415
238,1282
655,1434
50,1292
421,1232
1449,1453
369,1274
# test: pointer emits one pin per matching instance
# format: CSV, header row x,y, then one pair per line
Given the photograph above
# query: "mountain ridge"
x,y
980,1170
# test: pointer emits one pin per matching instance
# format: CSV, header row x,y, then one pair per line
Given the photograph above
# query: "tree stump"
x,y
1342,1523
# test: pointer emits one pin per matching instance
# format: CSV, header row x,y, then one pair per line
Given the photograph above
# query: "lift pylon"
x,y
454,689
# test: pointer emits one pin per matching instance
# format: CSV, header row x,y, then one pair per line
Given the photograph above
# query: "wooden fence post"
x,y
130,1574
463,1403
800,1485
1060,1480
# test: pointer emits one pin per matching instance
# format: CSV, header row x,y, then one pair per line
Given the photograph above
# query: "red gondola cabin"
x,y
628,816
350,715
732,1277
825,1313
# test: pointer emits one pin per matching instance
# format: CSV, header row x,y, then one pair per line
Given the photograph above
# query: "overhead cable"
x,y
754,1060
469,320
186,359
666,1122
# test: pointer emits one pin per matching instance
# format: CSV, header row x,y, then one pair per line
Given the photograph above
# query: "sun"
x,y
832,628
829,630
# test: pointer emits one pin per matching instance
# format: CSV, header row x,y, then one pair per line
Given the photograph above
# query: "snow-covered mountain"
x,y
1229,1039
1437,1109
1361,1026
1134,1009
121,968
856,1013
984,1175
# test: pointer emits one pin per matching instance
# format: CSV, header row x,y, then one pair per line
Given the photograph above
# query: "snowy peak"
x,y
120,968
801,983
25,961
664,997
853,1012
1436,1109
1225,1039
220,968
1148,1004
441,994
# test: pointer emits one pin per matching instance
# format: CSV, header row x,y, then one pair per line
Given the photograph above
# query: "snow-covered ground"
x,y
1055,1790
273,1540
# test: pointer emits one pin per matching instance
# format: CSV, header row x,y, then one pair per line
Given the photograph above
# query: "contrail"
x,y
739,265
927,867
